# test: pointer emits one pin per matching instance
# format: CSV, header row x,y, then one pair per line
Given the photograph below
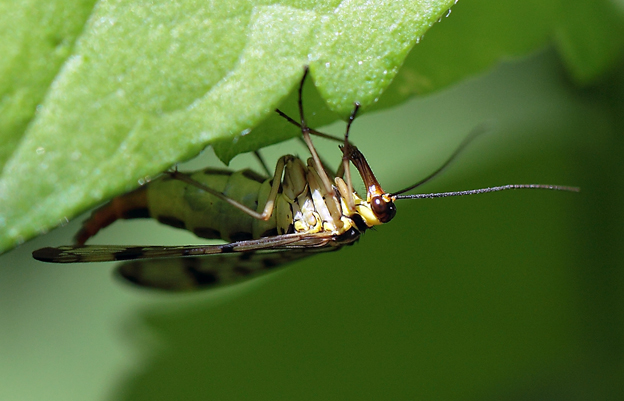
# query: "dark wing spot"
x,y
197,273
191,263
252,175
178,274
207,232
203,277
269,263
227,248
243,271
171,221
55,255
240,236
131,272
129,253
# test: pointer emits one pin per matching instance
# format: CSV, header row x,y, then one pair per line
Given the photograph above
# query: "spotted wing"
x,y
109,253
199,273
185,268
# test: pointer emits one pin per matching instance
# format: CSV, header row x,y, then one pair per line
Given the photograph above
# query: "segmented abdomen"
x,y
181,205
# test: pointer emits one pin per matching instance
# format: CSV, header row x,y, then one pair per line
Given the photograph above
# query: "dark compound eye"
x,y
384,210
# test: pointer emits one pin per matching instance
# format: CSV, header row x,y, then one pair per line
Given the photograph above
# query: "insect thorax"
x,y
302,205
314,209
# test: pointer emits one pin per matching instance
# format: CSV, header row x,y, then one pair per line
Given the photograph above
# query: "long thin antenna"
x,y
475,133
491,189
262,162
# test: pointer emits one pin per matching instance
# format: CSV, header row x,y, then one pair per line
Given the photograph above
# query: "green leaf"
x,y
37,37
589,34
148,85
590,38
125,92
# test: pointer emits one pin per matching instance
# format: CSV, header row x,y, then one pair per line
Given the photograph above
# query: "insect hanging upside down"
x,y
303,209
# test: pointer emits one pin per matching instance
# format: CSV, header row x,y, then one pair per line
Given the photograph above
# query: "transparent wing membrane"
x,y
199,273
110,253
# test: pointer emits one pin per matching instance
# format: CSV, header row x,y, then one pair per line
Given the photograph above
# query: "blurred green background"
x,y
507,296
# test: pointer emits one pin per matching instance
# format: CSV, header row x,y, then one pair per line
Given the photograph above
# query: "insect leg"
x,y
332,203
312,131
323,162
346,151
268,208
261,161
305,131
